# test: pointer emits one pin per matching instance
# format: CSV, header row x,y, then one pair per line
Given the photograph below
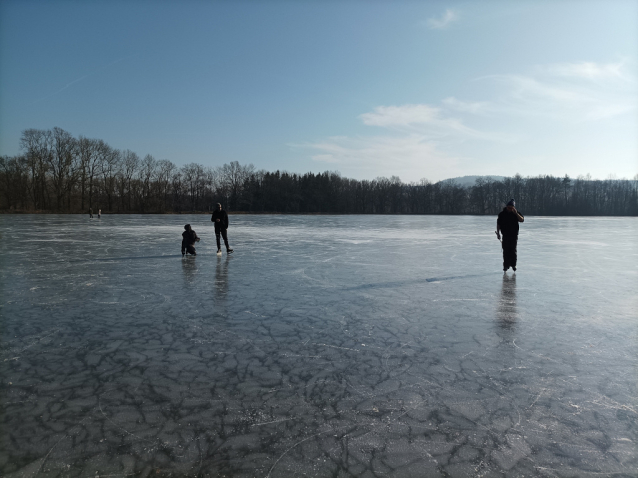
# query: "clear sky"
x,y
414,89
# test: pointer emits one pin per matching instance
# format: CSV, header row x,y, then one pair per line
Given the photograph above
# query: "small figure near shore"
x,y
507,224
99,213
220,219
189,238
90,213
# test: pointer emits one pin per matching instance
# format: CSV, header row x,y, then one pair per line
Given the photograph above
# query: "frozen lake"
x,y
325,346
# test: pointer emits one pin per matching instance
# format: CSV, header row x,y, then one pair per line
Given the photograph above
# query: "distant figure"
x,y
99,213
507,224
220,219
91,213
189,238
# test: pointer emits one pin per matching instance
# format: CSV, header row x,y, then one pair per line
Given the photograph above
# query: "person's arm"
x,y
519,216
498,230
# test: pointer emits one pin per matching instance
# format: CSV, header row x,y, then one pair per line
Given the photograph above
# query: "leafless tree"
x,y
193,176
63,164
165,170
38,147
177,188
145,176
14,181
90,161
130,166
232,177
110,161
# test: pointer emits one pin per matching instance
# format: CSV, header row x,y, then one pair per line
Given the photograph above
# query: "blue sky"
x,y
414,89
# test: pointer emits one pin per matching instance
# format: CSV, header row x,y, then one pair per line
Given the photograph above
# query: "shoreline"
x,y
263,213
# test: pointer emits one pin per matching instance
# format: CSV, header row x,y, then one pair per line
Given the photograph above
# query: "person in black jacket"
x,y
507,224
220,219
189,238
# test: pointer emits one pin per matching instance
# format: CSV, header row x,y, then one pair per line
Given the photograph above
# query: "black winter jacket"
x,y
508,222
223,219
189,237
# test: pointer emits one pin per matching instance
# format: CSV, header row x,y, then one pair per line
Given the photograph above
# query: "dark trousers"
x,y
223,233
188,248
509,251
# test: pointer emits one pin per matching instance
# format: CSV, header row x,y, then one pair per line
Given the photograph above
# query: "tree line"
x,y
57,172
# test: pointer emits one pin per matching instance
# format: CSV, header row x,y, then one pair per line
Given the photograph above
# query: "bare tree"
x,y
165,172
130,166
193,176
232,177
14,178
177,188
211,181
89,156
110,160
145,175
38,146
63,163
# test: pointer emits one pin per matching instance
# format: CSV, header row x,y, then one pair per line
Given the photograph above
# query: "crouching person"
x,y
189,238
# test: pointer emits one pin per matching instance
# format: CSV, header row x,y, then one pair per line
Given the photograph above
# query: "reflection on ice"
x,y
221,278
398,348
189,267
507,313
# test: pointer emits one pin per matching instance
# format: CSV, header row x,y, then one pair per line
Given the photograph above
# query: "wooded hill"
x,y
60,173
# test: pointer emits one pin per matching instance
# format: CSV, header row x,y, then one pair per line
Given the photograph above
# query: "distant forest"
x,y
57,172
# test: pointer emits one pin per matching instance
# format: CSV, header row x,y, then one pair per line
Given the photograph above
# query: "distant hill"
x,y
466,181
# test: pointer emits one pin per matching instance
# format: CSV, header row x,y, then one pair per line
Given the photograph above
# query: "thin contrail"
x,y
82,78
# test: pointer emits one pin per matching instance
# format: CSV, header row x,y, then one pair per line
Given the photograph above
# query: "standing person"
x,y
220,219
90,213
99,213
507,224
189,238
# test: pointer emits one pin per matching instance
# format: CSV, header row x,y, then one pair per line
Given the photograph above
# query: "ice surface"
x,y
325,346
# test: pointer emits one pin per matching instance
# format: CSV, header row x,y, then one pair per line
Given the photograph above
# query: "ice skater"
x,y
507,224
189,238
220,219
90,213
99,213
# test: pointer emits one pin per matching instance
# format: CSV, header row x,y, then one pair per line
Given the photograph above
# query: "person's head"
x,y
219,206
510,205
187,227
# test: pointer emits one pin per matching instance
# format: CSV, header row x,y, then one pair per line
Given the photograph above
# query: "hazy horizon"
x,y
436,90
